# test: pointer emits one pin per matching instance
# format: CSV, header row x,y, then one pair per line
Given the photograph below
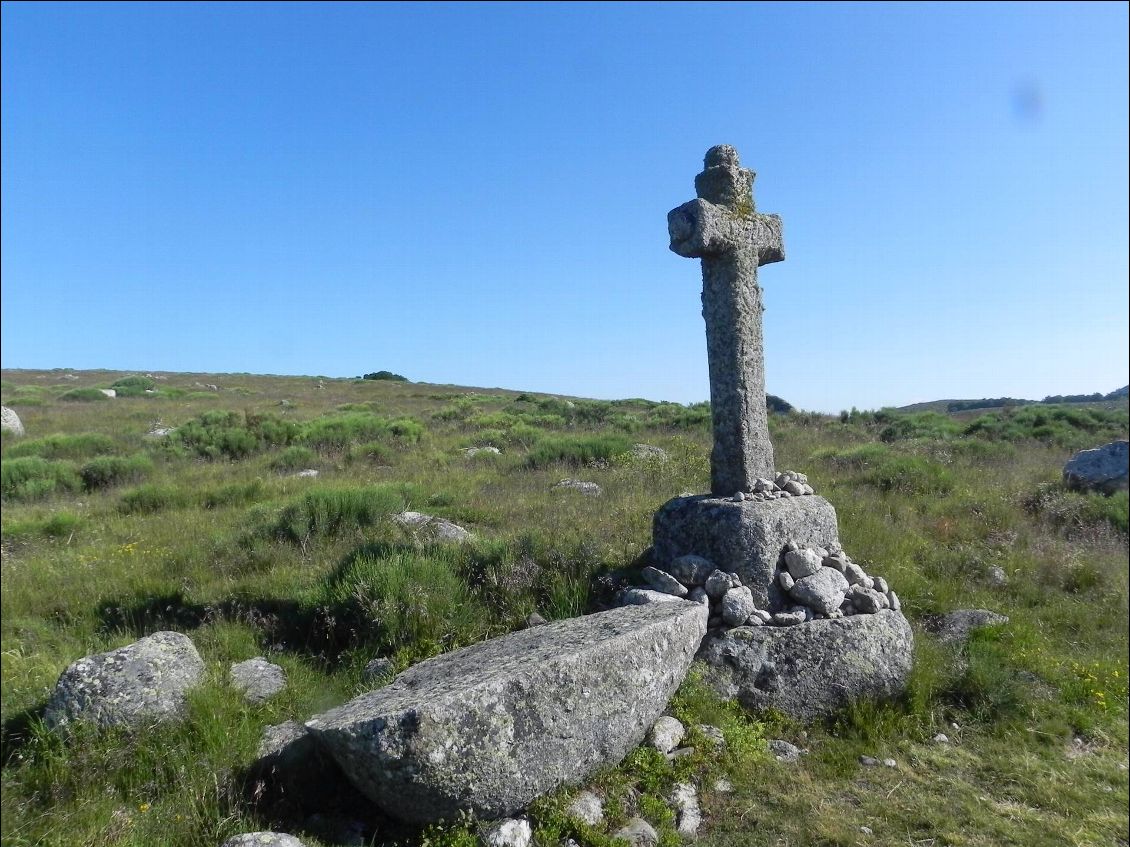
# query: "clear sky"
x,y
477,194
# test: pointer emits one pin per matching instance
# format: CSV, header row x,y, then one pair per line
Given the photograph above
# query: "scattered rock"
x,y
379,669
159,430
802,563
867,600
783,751
638,833
258,679
649,451
717,584
713,735
869,761
855,575
866,830
587,808
263,839
737,606
109,392
788,618
941,738
723,786
666,733
823,591
488,728
471,452
688,815
140,683
1104,469
958,625
10,421
996,577
431,528
664,582
590,489
510,832
308,473
890,763
534,619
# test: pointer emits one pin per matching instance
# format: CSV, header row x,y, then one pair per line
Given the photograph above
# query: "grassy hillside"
x,y
109,534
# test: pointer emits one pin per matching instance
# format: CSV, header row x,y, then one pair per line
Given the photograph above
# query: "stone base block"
x,y
812,669
743,537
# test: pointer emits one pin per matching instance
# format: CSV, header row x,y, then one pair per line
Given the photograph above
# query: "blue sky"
x,y
477,194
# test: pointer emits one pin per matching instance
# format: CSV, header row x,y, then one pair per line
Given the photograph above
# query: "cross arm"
x,y
768,239
699,228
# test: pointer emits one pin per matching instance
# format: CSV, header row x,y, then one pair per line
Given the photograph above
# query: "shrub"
x,y
577,450
146,499
336,432
219,434
863,456
235,494
105,471
333,511
407,430
32,477
57,525
412,601
80,446
928,425
386,375
83,395
293,458
133,386
910,475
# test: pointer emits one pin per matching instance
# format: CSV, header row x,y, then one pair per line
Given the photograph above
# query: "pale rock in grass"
x,y
783,751
589,489
649,451
713,735
723,786
263,839
257,679
661,581
688,814
690,569
737,606
306,473
666,733
142,683
10,422
638,833
869,761
109,392
823,591
957,626
428,528
890,763
587,808
996,577
472,452
509,832
802,563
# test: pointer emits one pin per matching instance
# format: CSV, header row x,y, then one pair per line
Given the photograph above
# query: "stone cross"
x,y
724,229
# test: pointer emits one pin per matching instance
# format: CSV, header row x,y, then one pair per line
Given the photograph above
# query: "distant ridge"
x,y
987,403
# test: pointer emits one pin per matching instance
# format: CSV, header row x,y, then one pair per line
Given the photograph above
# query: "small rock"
x,y
431,528
866,600
644,597
688,815
958,625
941,738
866,830
262,839
790,546
589,489
379,669
802,563
880,584
472,452
664,582
723,786
794,488
808,489
835,561
509,832
890,763
786,580
649,451
588,808
258,679
534,619
10,421
997,577
869,761
788,618
638,833
666,733
109,392
698,595
678,754
1104,469
717,584
308,473
761,485
713,735
823,591
737,606
160,431
738,497
761,615
783,751
893,601
857,576
690,569
782,479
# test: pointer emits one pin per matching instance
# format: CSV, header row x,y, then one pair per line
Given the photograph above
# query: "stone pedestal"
x,y
810,671
744,537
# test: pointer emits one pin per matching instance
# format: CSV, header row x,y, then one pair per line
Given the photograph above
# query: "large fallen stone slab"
x,y
1104,469
490,727
812,669
144,682
743,537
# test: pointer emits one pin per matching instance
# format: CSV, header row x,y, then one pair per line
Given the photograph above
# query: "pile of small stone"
x,y
785,484
698,580
828,584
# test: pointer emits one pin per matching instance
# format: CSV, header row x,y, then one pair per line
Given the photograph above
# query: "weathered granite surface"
x,y
10,422
744,537
1104,469
812,669
490,727
723,228
147,681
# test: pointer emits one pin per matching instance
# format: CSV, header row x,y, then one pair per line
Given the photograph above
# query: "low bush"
x,y
83,395
57,525
106,471
293,458
132,386
235,494
337,432
576,450
147,499
230,435
910,475
31,477
335,511
80,446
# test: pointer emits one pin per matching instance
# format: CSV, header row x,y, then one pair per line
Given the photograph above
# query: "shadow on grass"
x,y
16,732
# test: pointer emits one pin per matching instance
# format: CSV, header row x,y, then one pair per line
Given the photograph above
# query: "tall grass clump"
x,y
336,433
132,386
105,471
151,498
31,478
293,458
230,435
82,445
83,395
335,511
576,450
407,600
911,475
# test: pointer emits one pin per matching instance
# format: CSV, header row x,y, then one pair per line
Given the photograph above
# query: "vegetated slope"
x,y
109,533
1114,400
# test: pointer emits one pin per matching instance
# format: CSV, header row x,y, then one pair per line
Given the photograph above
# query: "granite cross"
x,y
723,228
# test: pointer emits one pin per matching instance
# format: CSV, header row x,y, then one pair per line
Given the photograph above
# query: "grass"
x,y
207,532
